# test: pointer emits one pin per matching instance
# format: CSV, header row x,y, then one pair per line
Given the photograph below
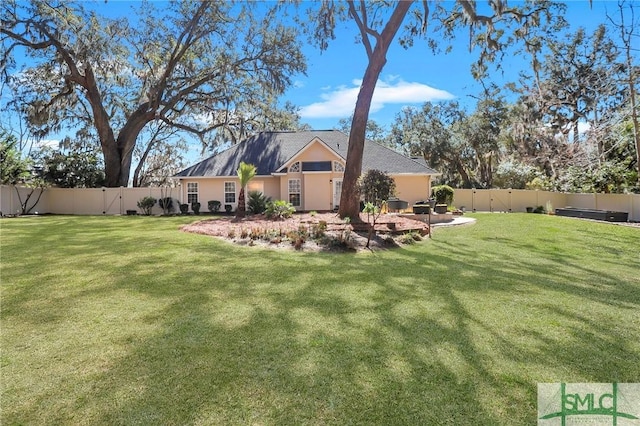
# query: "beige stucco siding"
x,y
316,191
316,152
213,189
412,188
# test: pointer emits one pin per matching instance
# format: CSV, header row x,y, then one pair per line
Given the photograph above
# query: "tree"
x,y
76,169
378,23
374,132
190,66
376,187
16,170
246,172
161,157
579,80
627,33
429,132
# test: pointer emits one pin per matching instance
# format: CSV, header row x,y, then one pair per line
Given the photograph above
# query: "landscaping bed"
x,y
260,230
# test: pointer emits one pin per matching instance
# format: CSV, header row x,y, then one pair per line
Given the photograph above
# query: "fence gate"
x,y
500,200
112,201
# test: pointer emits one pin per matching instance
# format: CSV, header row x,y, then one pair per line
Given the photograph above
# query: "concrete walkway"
x,y
458,220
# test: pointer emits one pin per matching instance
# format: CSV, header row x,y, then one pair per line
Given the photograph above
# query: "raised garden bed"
x,y
606,215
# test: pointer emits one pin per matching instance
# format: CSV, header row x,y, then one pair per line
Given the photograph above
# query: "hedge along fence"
x,y
113,201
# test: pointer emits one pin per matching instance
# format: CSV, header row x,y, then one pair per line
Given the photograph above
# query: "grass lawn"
x,y
126,320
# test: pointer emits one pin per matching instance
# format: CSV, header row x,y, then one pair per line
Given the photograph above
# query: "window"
x,y
229,192
295,167
294,192
316,166
338,167
192,192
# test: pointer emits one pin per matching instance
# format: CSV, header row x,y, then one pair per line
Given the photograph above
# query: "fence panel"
x,y
500,200
463,198
521,199
110,201
481,200
581,201
10,201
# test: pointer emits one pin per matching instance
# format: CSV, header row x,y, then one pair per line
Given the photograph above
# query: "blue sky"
x,y
410,77
328,91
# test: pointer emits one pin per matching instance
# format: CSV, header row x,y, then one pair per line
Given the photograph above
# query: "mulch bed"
x,y
389,227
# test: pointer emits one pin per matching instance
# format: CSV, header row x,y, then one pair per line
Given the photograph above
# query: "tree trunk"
x,y
241,211
350,198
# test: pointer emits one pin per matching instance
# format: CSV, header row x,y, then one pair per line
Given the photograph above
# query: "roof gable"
x,y
315,150
270,151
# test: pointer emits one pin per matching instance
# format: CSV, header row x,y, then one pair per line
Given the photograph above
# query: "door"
x,y
337,191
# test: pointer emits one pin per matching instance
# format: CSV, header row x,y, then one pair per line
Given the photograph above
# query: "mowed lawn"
x,y
127,320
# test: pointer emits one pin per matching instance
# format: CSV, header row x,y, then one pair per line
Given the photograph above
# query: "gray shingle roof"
x,y
270,150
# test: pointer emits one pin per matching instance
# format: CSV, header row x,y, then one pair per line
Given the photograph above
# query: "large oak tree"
x,y
193,65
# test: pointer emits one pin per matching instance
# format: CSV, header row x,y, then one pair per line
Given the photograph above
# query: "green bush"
x,y
257,202
195,206
443,194
146,204
279,209
214,206
184,208
376,186
166,204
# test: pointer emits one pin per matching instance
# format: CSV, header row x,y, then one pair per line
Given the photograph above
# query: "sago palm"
x,y
246,172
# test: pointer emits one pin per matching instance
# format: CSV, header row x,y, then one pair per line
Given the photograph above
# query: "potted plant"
x,y
195,206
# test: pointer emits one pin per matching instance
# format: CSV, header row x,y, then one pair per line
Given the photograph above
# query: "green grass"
x,y
126,320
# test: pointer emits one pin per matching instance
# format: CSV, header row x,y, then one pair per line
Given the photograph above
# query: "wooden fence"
x,y
113,201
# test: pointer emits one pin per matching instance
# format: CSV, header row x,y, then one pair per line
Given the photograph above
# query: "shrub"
x,y
443,194
166,204
257,202
279,209
195,206
214,206
146,204
184,208
376,187
228,208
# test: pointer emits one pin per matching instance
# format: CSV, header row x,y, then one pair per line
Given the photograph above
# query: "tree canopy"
x,y
195,66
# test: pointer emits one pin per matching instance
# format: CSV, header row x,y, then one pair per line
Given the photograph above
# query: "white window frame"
x,y
295,167
296,185
227,191
192,192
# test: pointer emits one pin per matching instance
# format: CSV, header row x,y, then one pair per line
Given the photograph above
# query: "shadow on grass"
x,y
449,331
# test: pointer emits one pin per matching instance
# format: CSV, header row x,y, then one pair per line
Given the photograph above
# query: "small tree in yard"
x,y
246,172
15,170
376,187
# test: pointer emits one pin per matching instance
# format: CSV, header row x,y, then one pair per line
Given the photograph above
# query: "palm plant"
x,y
246,172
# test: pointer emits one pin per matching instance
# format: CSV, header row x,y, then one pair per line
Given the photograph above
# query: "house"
x,y
305,168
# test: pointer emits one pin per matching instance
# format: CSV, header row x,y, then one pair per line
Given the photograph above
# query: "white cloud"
x,y
341,101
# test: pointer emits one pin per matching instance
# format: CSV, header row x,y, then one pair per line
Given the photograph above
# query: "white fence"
x,y
516,200
85,201
110,201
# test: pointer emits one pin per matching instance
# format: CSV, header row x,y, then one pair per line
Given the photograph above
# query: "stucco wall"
x,y
412,188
